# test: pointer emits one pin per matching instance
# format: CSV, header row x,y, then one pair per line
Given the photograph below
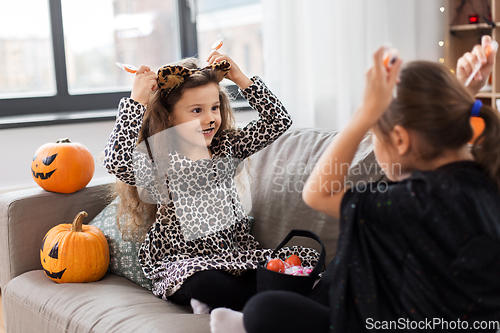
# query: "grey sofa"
x,y
33,303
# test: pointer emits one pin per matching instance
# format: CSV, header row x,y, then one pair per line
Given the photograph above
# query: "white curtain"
x,y
316,52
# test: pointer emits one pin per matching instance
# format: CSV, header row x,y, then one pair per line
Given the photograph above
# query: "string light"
x,y
441,43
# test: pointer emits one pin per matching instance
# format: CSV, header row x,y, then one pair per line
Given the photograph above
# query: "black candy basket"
x,y
271,280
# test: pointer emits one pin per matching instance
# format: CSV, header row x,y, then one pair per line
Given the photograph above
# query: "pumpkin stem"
x,y
65,140
77,222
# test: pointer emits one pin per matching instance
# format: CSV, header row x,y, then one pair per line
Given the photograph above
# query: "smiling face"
x,y
196,118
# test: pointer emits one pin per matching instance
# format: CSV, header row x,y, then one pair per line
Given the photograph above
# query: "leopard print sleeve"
x,y
273,121
120,155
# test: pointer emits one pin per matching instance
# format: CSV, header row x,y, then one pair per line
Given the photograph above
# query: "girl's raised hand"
x,y
467,62
235,74
144,83
380,83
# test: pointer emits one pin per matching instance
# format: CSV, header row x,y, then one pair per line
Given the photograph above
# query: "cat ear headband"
x,y
172,76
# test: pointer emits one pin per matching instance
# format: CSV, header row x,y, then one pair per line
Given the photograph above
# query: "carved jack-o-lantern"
x,y
62,167
75,252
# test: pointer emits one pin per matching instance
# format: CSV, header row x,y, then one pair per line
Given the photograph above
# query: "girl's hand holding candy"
x,y
235,74
482,56
144,83
380,82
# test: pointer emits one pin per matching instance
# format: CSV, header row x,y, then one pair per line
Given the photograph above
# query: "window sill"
x,y
79,117
56,118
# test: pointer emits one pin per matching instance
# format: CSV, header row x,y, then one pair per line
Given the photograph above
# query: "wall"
x,y
20,144
316,52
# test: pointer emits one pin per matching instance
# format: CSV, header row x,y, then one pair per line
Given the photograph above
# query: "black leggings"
x,y
284,311
217,289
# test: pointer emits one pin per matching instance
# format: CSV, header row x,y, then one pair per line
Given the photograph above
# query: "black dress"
x,y
418,255
422,254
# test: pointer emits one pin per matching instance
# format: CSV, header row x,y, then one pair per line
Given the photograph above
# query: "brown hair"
x,y
134,216
436,106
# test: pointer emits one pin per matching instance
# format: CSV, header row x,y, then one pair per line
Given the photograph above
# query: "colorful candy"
x,y
128,68
291,266
390,57
218,43
293,260
276,265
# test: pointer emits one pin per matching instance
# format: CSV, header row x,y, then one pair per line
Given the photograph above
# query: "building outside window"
x,y
58,56
239,22
26,56
126,31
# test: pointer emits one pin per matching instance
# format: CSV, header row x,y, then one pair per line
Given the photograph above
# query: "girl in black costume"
x,y
420,253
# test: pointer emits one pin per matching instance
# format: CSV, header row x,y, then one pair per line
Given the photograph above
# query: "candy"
x,y
487,52
293,260
289,267
218,43
276,265
390,57
127,68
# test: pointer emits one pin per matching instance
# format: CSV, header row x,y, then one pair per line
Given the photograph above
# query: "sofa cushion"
x,y
278,174
123,255
112,304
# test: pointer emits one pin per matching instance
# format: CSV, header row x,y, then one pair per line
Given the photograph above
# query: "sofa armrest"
x,y
27,215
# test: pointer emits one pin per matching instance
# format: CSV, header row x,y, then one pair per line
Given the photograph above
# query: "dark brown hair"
x,y
432,103
134,216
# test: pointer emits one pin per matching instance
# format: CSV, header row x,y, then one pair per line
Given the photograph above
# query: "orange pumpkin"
x,y
75,252
63,167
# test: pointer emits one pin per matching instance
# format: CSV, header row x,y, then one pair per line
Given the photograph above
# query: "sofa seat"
x,y
109,305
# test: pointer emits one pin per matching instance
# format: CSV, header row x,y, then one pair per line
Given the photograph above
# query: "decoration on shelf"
x,y
474,15
63,166
75,252
473,18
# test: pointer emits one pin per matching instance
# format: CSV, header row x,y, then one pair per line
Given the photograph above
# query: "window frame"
x,y
63,107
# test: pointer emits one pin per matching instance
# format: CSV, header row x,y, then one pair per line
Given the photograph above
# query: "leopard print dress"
x,y
200,221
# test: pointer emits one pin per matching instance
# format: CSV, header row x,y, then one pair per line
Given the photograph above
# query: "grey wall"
x,y
20,144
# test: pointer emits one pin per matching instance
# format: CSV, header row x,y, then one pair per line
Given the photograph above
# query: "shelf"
x,y
471,27
484,94
460,38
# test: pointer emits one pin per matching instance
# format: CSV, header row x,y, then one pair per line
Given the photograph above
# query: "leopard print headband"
x,y
171,76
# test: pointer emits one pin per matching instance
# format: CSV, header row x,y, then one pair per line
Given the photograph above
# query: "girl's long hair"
x,y
436,106
134,216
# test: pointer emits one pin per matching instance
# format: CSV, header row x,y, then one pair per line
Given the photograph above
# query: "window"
x,y
58,56
26,56
126,31
239,22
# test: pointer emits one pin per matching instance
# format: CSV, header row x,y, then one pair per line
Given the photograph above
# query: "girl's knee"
x,y
262,313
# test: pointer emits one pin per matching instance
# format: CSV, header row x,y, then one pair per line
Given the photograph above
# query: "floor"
x,y
2,327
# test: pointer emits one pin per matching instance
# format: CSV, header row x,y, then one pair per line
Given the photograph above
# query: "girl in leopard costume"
x,y
175,152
